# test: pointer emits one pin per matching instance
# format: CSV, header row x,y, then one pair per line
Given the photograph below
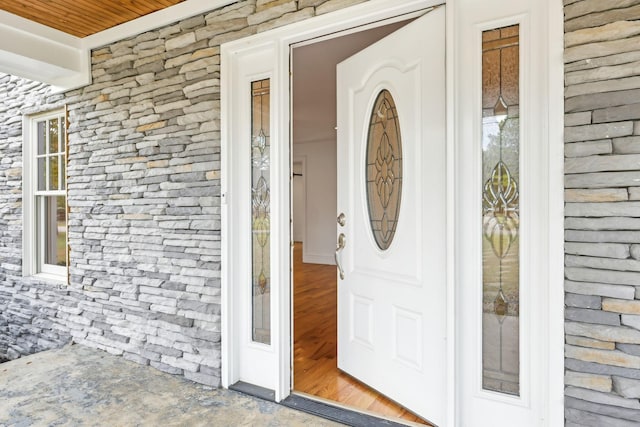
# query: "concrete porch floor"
x,y
81,386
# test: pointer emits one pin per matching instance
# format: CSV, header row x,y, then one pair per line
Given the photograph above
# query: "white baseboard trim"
x,y
318,259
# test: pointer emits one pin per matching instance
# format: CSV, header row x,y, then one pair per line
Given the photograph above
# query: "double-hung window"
x,y
45,196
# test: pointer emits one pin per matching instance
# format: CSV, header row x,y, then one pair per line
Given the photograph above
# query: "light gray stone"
x,y
598,289
272,12
602,263
611,114
598,368
602,398
602,236
593,101
604,61
331,5
240,9
181,41
608,250
583,301
631,320
598,131
634,193
628,145
588,7
597,19
602,163
594,224
209,380
626,387
584,207
583,413
288,18
602,276
577,119
590,148
592,316
613,31
602,74
635,251
618,334
628,83
600,383
629,348
309,3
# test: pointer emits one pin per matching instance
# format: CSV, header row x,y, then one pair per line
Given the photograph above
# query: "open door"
x,y
392,226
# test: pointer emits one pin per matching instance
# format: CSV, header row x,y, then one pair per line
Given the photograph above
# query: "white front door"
x,y
392,191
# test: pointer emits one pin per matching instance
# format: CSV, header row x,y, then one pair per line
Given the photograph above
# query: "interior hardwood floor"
x,y
315,344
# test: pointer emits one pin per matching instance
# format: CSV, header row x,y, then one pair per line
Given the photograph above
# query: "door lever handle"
x,y
342,241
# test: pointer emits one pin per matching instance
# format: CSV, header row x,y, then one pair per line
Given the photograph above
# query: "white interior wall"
x,y
320,190
299,206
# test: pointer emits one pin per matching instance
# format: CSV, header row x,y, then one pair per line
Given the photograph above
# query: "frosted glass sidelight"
x,y
501,210
260,212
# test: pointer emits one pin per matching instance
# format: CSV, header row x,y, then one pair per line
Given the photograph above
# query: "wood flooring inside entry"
x,y
315,344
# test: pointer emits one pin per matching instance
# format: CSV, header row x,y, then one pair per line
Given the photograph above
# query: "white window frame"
x,y
33,244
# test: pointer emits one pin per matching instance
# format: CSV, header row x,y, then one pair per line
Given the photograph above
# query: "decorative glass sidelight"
x,y
384,169
260,215
500,210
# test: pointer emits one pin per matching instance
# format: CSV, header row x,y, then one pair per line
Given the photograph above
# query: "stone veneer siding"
x,y
602,210
143,193
144,198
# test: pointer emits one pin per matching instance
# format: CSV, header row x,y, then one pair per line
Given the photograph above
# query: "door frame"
x,y
353,18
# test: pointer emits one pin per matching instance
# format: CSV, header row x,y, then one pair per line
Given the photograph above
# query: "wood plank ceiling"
x,y
82,18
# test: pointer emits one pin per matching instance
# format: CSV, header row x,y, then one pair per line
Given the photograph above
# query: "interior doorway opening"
x,y
314,193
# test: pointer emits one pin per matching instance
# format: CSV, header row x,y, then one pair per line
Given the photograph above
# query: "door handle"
x,y
342,241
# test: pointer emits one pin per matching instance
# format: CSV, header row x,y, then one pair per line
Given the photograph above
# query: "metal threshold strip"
x,y
321,407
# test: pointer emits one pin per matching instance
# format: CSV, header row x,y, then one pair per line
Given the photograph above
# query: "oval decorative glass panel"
x,y
384,169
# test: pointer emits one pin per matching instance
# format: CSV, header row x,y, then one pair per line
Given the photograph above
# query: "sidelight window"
x,y
260,214
501,210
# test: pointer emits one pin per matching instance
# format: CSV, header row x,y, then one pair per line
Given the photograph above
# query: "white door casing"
x,y
252,362
392,303
463,402
541,300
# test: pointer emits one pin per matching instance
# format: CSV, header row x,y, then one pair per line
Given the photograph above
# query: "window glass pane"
x,y
63,129
53,173
384,169
53,136
260,214
42,137
63,172
42,183
501,210
54,222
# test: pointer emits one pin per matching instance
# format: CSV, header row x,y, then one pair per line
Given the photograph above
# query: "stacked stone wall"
x,y
143,195
602,212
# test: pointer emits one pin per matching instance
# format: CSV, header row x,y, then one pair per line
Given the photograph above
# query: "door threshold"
x,y
338,412
323,408
254,390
